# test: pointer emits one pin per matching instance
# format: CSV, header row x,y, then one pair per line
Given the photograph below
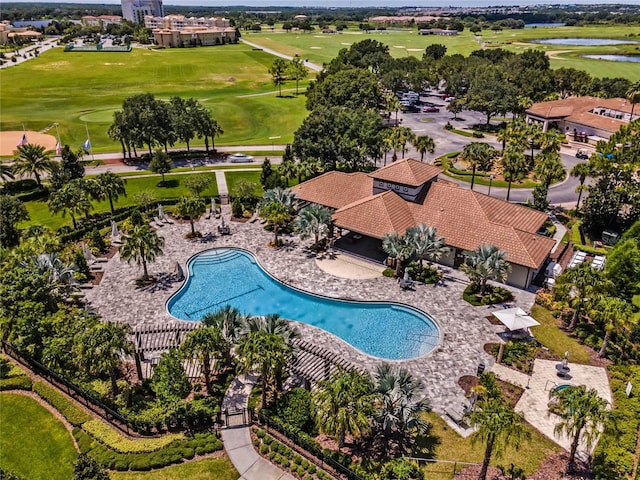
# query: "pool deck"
x,y
464,328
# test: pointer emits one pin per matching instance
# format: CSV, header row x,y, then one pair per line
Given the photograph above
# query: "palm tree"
x,y
313,220
583,414
580,287
110,186
143,245
514,166
99,350
267,354
72,198
392,104
343,404
478,155
230,322
206,344
549,168
399,137
61,275
397,248
6,172
33,160
277,215
272,323
551,141
281,195
533,133
581,170
399,412
424,144
426,243
191,207
288,169
498,427
615,313
633,95
485,263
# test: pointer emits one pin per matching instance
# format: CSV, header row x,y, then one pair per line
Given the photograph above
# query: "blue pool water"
x,y
583,41
616,58
230,276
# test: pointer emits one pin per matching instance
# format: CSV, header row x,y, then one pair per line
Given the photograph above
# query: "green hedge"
x,y
74,414
175,452
113,439
15,383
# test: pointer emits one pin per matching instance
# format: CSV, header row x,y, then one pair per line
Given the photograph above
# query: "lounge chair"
x,y
158,222
406,284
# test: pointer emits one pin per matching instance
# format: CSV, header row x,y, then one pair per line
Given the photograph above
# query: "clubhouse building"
x,y
407,193
591,118
178,31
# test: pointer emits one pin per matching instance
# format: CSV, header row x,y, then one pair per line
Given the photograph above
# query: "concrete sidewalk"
x,y
237,440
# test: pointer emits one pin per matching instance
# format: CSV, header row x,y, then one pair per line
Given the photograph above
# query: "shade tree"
x,y
313,220
160,164
12,212
479,156
485,263
169,380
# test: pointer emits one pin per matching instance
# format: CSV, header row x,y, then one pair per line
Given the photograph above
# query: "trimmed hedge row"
x,y
21,382
199,444
108,436
75,415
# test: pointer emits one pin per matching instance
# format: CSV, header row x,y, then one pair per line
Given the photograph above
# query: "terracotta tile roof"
x,y
335,189
407,172
579,110
376,215
505,213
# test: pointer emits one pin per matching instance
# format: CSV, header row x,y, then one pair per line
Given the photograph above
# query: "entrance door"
x,y
458,259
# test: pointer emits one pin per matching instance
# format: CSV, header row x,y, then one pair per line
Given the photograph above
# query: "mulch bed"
x,y
510,393
96,278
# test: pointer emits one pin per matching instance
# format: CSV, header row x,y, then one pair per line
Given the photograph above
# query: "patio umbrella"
x,y
179,272
88,256
160,212
515,319
213,205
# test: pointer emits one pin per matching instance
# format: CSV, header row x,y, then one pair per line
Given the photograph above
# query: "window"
x,y
405,189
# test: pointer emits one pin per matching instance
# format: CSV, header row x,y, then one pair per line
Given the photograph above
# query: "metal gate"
x,y
238,417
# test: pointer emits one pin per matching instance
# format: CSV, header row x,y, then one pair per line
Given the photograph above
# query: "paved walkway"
x,y
237,440
534,401
221,180
307,63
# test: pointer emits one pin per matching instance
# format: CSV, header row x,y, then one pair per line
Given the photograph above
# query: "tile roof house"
x,y
407,193
596,117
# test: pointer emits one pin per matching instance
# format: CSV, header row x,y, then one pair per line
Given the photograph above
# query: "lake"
x,y
583,41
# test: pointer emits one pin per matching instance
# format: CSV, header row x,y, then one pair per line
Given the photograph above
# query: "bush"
x,y
477,134
389,272
110,437
311,468
492,295
15,383
264,449
268,439
74,414
294,409
260,433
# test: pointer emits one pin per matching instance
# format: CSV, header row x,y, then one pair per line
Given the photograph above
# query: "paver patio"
x,y
464,328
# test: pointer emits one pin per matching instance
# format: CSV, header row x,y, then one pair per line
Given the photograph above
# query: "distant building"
x,y
402,19
590,117
178,31
180,22
9,32
135,10
437,31
102,20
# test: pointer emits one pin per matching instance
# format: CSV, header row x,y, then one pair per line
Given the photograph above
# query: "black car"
x,y
582,154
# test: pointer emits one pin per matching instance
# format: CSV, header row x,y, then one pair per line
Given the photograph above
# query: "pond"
x,y
583,42
615,58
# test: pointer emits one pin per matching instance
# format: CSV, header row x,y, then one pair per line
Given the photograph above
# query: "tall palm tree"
x,y
277,215
498,427
580,287
399,137
583,414
267,354
343,404
633,95
283,196
313,220
111,186
398,248
581,170
72,198
143,245
399,413
6,172
478,155
99,350
288,169
514,166
424,144
33,160
485,263
191,207
533,133
206,344
230,322
551,141
615,313
549,168
426,243
61,274
272,323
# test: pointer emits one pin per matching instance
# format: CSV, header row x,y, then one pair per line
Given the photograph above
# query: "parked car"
x,y
582,154
240,158
430,109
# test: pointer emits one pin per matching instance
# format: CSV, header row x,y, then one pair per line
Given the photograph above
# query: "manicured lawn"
x,y
234,177
33,443
322,48
207,469
77,88
174,188
456,448
555,339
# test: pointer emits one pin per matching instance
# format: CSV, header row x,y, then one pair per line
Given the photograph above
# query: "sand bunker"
x,y
9,141
415,49
316,48
399,46
345,43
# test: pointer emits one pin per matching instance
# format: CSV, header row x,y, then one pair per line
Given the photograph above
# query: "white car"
x,y
240,158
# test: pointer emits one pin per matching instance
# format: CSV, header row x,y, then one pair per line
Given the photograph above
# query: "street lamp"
x,y
272,139
491,177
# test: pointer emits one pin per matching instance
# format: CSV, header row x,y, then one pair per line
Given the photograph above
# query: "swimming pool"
x,y
231,276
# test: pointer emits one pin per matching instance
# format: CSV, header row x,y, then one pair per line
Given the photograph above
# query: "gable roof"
x,y
407,172
335,189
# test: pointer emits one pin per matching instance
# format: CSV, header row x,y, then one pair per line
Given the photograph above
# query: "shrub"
x,y
294,409
305,464
110,437
74,414
300,470
311,468
264,449
260,433
388,272
297,459
268,439
21,382
477,134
